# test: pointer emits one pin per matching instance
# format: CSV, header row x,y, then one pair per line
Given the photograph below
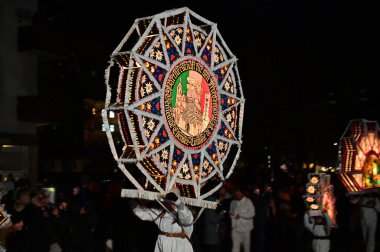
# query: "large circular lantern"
x,y
174,107
359,156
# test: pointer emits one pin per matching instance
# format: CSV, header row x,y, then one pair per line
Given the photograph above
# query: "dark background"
x,y
307,67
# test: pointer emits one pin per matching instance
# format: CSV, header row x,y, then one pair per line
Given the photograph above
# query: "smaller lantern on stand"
x,y
319,196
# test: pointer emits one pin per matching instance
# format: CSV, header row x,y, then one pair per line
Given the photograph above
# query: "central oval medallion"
x,y
191,104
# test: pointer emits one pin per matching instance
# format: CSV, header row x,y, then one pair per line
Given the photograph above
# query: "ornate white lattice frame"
x,y
143,143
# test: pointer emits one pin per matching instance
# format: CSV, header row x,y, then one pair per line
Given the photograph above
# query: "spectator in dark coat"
x,y
36,223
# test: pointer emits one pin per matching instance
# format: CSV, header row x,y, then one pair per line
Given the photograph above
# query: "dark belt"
x,y
367,206
177,235
321,237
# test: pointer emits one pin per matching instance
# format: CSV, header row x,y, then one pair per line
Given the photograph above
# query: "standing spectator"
x,y
242,212
298,208
9,185
36,223
23,198
63,226
83,219
54,229
109,245
261,219
225,199
320,227
211,239
12,236
23,182
369,209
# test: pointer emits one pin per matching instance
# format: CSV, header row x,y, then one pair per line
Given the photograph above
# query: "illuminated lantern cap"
x,y
174,88
359,156
319,196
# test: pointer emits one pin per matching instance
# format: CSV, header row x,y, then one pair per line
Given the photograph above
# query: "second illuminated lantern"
x,y
359,155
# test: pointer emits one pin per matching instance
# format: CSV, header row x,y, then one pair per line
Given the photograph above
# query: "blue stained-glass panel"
x,y
159,74
196,158
206,56
163,135
224,101
222,128
173,54
211,149
178,154
156,106
219,76
189,48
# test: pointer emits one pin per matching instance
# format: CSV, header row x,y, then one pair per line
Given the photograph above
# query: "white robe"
x,y
168,224
368,221
241,227
319,245
246,210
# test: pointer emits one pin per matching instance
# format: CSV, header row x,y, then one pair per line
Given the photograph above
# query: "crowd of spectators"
x,y
88,214
65,217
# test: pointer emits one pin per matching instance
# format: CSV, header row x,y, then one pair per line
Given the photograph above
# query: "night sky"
x,y
307,67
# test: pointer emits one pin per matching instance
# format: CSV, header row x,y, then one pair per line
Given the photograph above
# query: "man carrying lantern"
x,y
174,220
319,224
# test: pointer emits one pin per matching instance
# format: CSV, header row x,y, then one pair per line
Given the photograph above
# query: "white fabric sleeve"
x,y
232,214
144,213
185,216
354,199
250,213
377,205
328,223
309,222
